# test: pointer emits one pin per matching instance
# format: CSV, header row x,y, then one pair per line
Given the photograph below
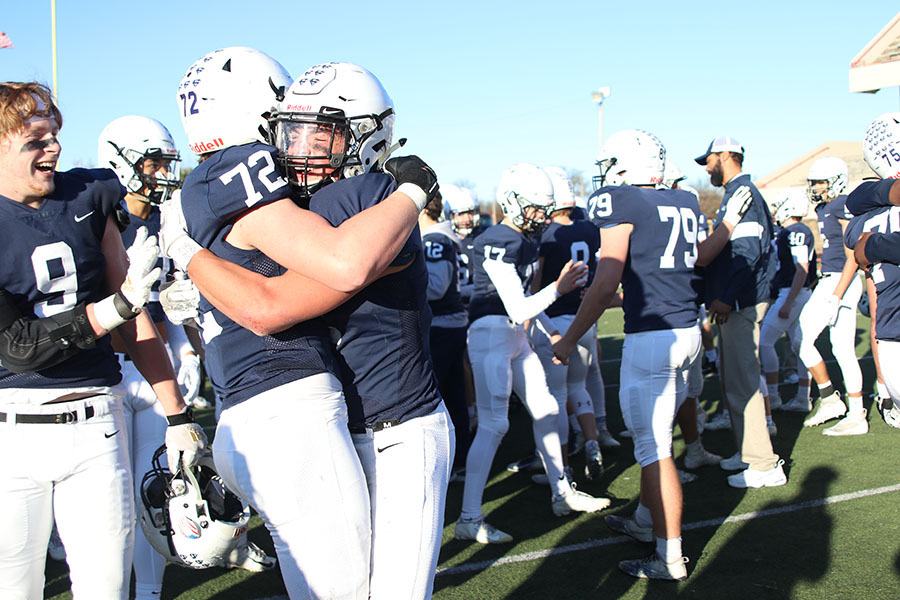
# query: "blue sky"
x,y
479,86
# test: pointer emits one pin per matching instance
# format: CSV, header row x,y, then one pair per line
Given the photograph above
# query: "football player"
x,y
501,358
450,318
833,304
566,240
396,412
65,422
796,254
874,236
143,155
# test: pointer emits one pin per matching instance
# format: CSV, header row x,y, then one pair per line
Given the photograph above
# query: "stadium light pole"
x,y
598,97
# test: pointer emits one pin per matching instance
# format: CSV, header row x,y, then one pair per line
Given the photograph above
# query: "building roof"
x,y
877,65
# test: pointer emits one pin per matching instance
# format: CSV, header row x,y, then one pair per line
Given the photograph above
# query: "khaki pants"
x,y
739,348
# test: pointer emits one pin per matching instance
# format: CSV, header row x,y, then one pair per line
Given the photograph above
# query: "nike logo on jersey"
x,y
389,446
82,217
109,435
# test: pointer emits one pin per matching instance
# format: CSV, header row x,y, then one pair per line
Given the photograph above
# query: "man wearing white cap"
x,y
737,292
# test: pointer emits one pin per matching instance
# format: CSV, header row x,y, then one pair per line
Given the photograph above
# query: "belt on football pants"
x,y
377,426
58,418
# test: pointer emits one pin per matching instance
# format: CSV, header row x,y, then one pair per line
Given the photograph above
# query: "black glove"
x,y
413,170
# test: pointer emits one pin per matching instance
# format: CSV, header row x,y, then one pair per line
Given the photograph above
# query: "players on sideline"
x,y
64,250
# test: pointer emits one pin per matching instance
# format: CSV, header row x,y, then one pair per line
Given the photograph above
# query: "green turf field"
x,y
830,533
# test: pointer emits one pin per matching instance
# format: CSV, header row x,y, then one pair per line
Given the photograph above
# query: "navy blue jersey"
x,y
467,263
577,242
241,364
659,285
830,215
386,365
741,274
152,223
869,196
885,275
52,260
505,244
443,251
794,244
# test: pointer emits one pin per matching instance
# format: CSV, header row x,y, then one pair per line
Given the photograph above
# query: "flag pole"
x,y
53,36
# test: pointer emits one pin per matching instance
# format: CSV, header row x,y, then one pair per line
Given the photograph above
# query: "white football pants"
x,y
654,377
288,453
81,473
502,361
773,327
407,469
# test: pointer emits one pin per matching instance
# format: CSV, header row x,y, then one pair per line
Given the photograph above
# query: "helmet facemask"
x,y
532,219
605,178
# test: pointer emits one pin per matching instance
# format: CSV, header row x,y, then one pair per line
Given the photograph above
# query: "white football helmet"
x,y
525,193
124,145
336,116
831,170
563,191
190,517
226,96
881,146
461,209
672,175
793,203
631,157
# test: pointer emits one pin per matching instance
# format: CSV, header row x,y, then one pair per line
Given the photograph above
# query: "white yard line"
x,y
542,554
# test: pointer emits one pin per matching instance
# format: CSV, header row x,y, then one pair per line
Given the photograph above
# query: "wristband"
x,y
182,250
182,418
415,193
114,310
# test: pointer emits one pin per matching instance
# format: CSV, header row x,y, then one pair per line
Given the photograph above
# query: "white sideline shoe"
x,y
577,443
892,417
830,407
771,427
749,478
775,403
606,439
578,502
654,567
852,424
697,456
792,378
733,463
481,532
720,421
629,527
797,404
250,557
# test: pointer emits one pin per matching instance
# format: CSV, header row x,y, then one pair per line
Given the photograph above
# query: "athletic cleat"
x,y
771,427
685,477
892,417
481,532
797,404
607,440
830,407
697,456
720,421
626,433
542,479
55,546
791,378
775,403
578,502
749,478
250,557
654,567
532,463
629,527
852,424
593,460
733,463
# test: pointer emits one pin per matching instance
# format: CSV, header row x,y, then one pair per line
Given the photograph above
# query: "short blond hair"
x,y
19,103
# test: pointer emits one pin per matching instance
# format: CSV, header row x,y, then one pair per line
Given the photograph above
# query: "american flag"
x,y
5,42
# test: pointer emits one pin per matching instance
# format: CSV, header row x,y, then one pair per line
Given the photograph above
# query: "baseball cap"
x,y
721,144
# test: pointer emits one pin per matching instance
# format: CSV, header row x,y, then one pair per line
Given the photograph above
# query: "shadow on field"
x,y
767,556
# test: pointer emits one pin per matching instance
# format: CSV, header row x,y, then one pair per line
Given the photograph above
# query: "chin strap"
x,y
379,162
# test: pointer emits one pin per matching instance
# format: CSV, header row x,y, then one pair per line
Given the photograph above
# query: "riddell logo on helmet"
x,y
201,147
298,108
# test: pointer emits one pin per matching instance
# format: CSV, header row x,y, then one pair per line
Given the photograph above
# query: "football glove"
x,y
832,308
416,179
173,236
189,377
185,440
738,205
142,273
180,300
